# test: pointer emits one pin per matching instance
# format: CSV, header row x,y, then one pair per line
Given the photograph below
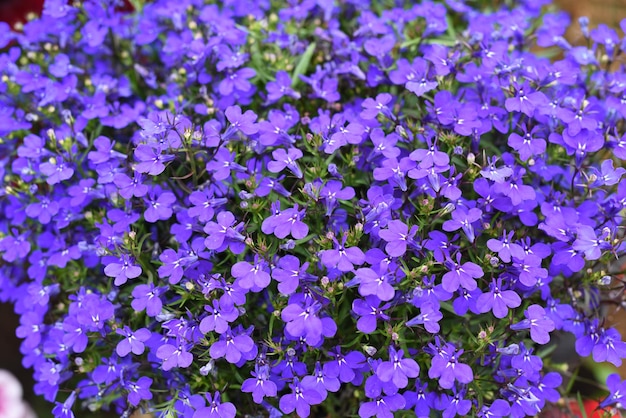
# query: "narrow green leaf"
x,y
303,64
581,405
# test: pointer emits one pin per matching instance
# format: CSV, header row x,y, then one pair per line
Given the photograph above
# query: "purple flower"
x,y
146,296
300,399
463,218
240,122
321,382
159,208
56,170
224,234
382,406
527,145
332,192
216,408
374,282
617,391
344,366
43,210
233,346
398,369
446,367
369,312
151,160
288,273
398,237
280,88
259,384
461,275
498,300
303,321
373,107
123,270
286,159
139,390
505,247
174,356
539,323
429,316
220,315
587,242
286,222
609,347
251,276
526,100
222,164
132,342
341,257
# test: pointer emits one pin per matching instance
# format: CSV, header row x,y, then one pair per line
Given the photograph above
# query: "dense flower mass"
x,y
310,207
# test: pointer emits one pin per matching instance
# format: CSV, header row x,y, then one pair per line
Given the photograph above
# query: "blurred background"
x,y
609,12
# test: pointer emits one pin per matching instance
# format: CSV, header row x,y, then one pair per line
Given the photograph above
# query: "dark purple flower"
x,y
133,341
341,257
124,269
464,219
174,355
398,369
539,323
369,312
216,408
498,300
259,384
398,237
300,399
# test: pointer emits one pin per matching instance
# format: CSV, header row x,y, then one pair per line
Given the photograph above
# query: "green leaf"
x,y
581,405
303,64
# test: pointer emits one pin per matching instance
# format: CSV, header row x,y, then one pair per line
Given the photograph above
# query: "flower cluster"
x,y
309,206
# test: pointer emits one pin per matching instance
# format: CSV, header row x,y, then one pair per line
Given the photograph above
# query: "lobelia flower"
x,y
220,314
369,312
280,88
498,300
397,369
446,367
538,322
617,391
159,206
146,296
321,382
429,316
341,257
239,122
133,341
398,237
286,159
123,270
224,234
250,276
461,275
174,355
343,366
216,408
374,282
259,384
332,192
139,390
373,107
505,247
300,399
463,218
288,273
232,346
